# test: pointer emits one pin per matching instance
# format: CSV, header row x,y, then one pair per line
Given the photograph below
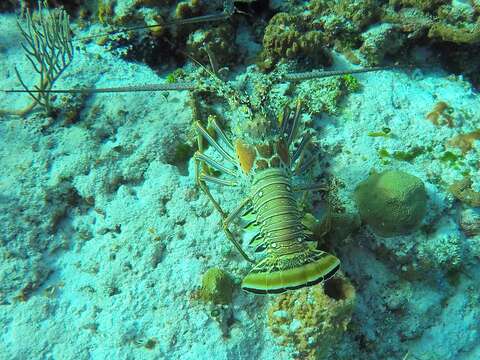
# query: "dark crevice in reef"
x,y
7,5
155,52
337,289
255,10
460,59
71,6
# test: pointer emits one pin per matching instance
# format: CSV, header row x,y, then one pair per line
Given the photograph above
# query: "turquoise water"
x,y
126,149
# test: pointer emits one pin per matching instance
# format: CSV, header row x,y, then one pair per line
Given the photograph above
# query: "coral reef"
x,y
424,5
343,21
380,41
453,34
306,35
342,225
164,42
313,320
361,13
216,44
215,298
289,36
186,9
392,202
100,211
444,252
105,11
451,27
366,31
456,24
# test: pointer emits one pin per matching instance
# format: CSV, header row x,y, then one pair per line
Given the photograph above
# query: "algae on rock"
x,y
217,287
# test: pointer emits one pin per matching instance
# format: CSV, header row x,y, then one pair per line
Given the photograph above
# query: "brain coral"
x,y
392,202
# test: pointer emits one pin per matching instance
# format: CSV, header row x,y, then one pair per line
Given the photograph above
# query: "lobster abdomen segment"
x,y
290,262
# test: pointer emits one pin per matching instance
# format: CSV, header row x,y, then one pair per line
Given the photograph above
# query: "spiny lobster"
x,y
263,163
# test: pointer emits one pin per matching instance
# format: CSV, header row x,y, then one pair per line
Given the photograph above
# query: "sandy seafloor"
x,y
114,236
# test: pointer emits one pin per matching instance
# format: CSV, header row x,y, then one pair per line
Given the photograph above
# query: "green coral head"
x,y
217,287
392,202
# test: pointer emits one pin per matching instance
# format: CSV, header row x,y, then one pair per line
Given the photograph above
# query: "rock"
x,y
470,221
313,320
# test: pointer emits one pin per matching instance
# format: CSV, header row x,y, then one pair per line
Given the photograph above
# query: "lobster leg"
x,y
214,164
225,218
236,213
292,131
213,123
201,179
202,132
230,237
299,151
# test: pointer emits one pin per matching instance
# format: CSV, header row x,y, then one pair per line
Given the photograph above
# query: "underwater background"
x,y
110,250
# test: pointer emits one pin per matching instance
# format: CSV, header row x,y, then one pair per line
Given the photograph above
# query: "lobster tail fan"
x,y
298,271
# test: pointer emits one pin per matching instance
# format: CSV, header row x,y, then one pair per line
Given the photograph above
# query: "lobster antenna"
x,y
121,89
228,11
191,85
318,74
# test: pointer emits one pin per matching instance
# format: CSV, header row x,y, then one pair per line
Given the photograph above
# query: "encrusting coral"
x,y
441,114
425,5
312,320
465,142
